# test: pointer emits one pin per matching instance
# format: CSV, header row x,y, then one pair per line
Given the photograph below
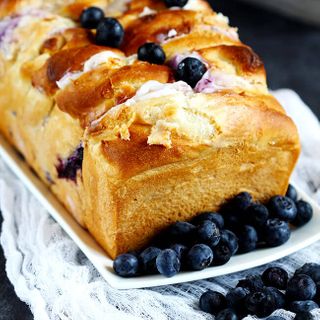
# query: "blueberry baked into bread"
x,y
140,120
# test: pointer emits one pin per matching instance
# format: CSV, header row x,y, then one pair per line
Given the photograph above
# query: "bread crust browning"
x,y
155,151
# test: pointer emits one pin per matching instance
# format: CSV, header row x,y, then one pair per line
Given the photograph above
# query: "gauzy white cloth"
x,y
56,280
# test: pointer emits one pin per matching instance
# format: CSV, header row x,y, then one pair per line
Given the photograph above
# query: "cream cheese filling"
x,y
169,109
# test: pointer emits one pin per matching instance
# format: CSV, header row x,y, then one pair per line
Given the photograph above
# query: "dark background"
x,y
291,52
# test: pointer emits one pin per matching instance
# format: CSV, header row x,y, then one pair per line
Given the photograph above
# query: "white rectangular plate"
x,y
300,239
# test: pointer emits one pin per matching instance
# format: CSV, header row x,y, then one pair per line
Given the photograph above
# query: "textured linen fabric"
x,y
57,281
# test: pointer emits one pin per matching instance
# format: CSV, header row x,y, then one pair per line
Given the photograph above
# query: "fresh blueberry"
x,y
317,296
152,53
233,220
278,297
300,288
292,193
241,201
175,3
256,215
199,257
191,70
222,253
248,238
231,239
126,265
110,33
282,208
275,318
236,299
276,232
304,213
212,302
180,232
304,316
226,314
181,250
310,269
211,216
168,263
207,232
252,283
91,17
275,277
303,306
260,303
148,259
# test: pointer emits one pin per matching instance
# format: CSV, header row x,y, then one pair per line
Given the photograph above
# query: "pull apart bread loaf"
x,y
124,146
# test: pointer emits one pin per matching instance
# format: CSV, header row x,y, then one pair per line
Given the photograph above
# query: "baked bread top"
x,y
134,111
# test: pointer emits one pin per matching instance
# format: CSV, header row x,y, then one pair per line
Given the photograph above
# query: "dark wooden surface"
x,y
291,52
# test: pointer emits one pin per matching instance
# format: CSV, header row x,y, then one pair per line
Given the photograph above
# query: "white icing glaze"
x,y
168,109
216,81
92,63
68,78
146,12
192,5
98,59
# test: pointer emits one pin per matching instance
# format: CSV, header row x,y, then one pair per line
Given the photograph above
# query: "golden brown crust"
x,y
153,152
82,99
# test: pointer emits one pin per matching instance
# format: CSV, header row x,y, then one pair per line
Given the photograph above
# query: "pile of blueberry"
x,y
110,33
211,239
262,295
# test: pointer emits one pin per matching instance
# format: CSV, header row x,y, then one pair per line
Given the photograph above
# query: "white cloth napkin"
x,y
56,280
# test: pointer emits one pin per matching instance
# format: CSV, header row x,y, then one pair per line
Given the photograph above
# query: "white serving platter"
x,y
300,238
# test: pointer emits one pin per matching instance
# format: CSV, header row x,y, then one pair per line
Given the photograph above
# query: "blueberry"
x,y
303,306
282,208
207,232
222,253
227,314
126,265
278,297
148,260
304,213
310,269
91,17
212,302
300,288
256,215
211,216
199,257
175,3
152,52
275,277
231,239
180,232
304,316
241,201
252,283
248,238
317,297
181,250
168,263
292,193
110,33
260,303
236,299
275,318
233,219
68,168
191,70
276,232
